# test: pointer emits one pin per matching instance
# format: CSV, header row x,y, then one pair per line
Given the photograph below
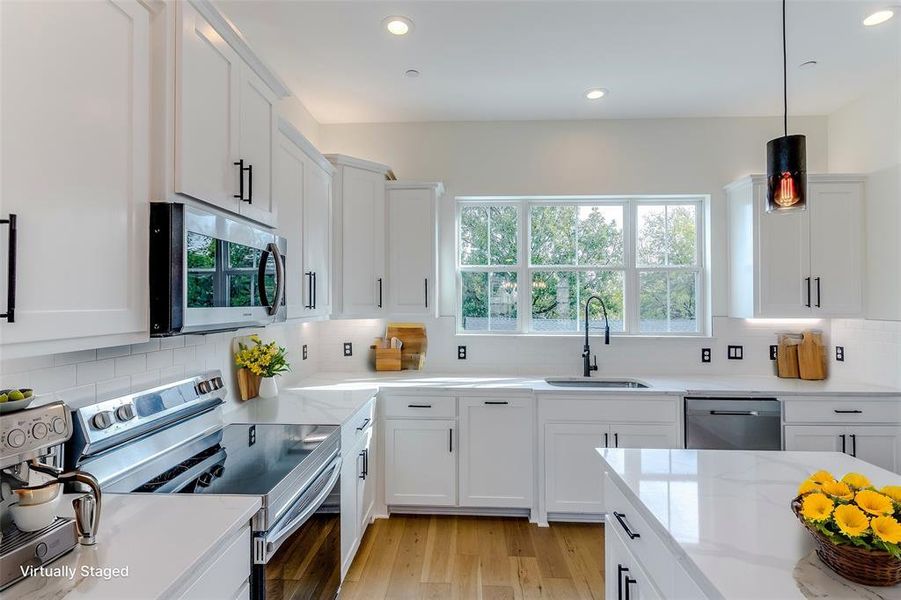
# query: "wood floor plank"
x,y
406,573
583,548
551,561
527,576
518,537
560,589
468,535
441,546
467,584
377,571
497,592
355,570
434,591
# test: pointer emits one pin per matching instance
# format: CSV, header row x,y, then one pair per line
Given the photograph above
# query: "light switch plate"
x,y
735,352
840,353
774,352
461,352
348,349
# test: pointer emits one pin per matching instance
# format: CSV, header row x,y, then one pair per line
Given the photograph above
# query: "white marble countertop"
x,y
158,537
725,514
305,403
677,385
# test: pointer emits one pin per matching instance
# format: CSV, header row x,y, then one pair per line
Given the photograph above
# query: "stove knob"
x,y
217,470
16,438
203,387
205,480
216,383
40,551
126,412
39,431
103,419
59,425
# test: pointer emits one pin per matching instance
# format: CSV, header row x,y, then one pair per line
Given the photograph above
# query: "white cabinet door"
x,y
878,445
644,436
412,240
496,448
836,248
573,470
351,474
816,438
207,127
317,203
782,261
289,171
75,164
363,236
421,462
624,577
366,483
257,129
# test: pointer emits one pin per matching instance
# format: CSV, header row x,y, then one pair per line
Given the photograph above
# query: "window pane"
x,y
554,301
600,235
610,286
668,302
201,251
242,257
240,290
489,301
553,235
651,235
502,226
475,301
681,225
474,235
200,290
503,302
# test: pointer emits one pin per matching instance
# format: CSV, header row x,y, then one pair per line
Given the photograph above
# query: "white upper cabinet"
x,y
805,263
317,257
412,247
359,236
75,163
225,122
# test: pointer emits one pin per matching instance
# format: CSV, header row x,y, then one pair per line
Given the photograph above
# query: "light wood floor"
x,y
476,558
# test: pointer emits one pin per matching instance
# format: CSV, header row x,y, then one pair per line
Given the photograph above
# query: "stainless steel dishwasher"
x,y
733,423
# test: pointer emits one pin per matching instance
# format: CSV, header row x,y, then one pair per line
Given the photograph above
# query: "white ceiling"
x,y
495,60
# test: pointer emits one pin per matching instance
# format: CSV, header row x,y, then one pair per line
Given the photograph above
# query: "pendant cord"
x,y
784,74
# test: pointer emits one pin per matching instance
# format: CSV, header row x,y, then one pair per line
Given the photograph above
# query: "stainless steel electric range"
x,y
173,439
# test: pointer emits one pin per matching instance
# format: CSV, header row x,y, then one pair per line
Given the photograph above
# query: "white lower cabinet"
x,y
227,575
496,452
421,462
625,579
876,444
358,483
572,467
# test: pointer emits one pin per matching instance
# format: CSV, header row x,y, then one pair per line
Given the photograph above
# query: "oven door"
x,y
300,555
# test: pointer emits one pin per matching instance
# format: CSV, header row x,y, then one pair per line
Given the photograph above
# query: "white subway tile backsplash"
x,y
144,381
195,340
80,394
31,363
113,352
206,352
15,380
129,365
176,341
170,374
46,381
113,387
71,358
183,355
150,346
93,372
158,360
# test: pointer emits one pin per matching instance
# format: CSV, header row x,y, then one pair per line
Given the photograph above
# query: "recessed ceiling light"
x,y
878,17
398,25
411,73
595,93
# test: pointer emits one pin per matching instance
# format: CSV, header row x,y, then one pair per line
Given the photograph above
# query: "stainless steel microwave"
x,y
211,272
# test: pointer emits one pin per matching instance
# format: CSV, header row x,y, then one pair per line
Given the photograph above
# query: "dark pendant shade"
x,y
786,172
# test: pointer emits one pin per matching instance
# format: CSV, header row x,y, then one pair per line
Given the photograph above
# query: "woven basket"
x,y
868,567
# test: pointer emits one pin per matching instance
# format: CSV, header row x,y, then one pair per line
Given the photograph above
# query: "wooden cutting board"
x,y
812,356
787,357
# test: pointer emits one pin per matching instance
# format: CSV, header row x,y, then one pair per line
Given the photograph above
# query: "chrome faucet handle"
x,y
86,519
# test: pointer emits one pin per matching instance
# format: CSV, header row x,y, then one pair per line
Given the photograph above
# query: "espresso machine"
x,y
31,487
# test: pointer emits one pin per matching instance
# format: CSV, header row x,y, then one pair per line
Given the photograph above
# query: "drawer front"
x,y
355,428
228,573
664,409
641,541
842,410
420,407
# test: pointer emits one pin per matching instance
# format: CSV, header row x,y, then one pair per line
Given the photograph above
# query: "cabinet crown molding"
x,y
436,186
305,145
342,160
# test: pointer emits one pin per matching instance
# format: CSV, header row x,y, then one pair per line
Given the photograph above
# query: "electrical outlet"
x,y
348,349
305,353
840,353
735,352
705,355
461,352
774,352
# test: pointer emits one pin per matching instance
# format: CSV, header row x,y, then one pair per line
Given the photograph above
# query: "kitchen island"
x,y
718,524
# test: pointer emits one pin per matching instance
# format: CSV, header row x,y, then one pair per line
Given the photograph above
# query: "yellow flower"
x,y
856,480
816,507
808,486
893,492
821,477
851,520
837,489
886,529
255,338
874,502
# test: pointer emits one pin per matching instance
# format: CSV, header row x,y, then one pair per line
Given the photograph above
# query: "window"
x,y
529,264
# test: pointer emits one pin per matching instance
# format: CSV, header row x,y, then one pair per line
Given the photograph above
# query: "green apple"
x,y
16,395
3,398
28,393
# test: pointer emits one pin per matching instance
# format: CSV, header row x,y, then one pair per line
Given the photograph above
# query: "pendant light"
x,y
786,156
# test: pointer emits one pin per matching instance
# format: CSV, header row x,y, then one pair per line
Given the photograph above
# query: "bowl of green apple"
x,y
15,399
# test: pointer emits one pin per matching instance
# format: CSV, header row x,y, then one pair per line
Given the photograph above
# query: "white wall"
x,y
294,111
647,156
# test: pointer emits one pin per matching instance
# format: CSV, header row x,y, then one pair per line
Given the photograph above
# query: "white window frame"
x,y
524,269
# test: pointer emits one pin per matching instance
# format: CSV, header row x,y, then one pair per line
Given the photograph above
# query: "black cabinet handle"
x,y
419,406
426,292
621,517
314,289
854,445
843,442
853,411
10,314
616,440
362,474
309,276
496,402
363,426
818,292
250,184
807,304
366,461
380,292
241,169
606,440
450,439
629,582
620,570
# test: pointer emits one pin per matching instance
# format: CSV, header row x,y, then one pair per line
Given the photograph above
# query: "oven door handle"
x,y
275,538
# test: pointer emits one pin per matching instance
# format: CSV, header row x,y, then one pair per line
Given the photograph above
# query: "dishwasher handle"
x,y
736,413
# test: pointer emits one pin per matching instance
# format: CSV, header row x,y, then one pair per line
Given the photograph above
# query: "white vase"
x,y
268,387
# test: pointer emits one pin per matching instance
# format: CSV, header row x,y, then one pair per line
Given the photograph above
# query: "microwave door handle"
x,y
271,249
279,278
274,539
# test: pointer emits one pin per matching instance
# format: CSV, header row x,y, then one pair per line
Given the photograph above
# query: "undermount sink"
x,y
587,382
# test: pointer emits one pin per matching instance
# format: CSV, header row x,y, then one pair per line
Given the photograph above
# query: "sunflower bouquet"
x,y
851,514
263,360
